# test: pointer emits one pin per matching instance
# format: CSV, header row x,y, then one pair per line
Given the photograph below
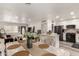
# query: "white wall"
x,y
38,25
11,27
69,22
49,23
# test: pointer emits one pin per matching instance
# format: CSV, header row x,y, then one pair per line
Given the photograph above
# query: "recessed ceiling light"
x,y
72,13
73,16
29,20
16,17
61,19
57,17
23,19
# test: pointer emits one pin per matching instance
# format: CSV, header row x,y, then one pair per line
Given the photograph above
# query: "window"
x,y
11,29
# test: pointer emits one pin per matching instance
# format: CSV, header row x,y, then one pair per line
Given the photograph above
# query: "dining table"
x,y
36,51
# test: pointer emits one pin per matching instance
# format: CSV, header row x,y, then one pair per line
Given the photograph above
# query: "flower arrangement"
x,y
30,35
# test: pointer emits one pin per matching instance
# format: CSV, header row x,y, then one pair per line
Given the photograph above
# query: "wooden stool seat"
x,y
48,54
43,46
22,53
14,46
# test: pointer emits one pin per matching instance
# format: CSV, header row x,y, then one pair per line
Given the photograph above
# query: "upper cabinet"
x,y
70,26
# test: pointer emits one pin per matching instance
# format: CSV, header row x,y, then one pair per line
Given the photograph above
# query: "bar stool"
x,y
43,46
22,53
14,48
11,43
48,54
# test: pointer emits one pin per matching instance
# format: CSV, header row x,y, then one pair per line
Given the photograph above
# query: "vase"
x,y
29,43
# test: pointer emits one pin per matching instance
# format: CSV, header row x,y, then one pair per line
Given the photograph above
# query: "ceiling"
x,y
35,12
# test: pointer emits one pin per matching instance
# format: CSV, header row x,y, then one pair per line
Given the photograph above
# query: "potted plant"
x,y
29,39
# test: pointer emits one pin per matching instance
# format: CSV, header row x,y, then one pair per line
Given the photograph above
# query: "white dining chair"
x,y
2,47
